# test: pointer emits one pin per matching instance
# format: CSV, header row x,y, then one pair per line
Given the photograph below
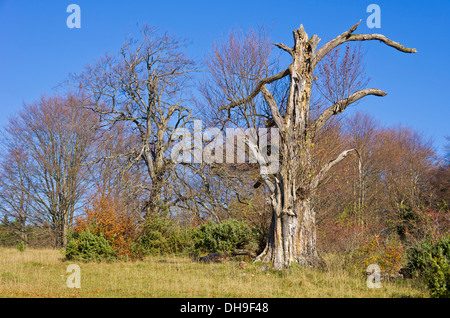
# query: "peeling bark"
x,y
292,233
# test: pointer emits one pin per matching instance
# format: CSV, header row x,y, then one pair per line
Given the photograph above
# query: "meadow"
x,y
42,273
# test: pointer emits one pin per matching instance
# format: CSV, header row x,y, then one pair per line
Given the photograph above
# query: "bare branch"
x,y
257,89
322,173
284,47
324,50
348,36
314,42
253,148
382,38
270,100
341,105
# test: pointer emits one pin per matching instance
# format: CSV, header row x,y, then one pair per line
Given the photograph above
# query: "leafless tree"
x,y
112,176
404,168
15,187
214,191
143,86
49,145
292,235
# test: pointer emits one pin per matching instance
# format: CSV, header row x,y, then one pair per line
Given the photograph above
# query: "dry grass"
x,y
42,273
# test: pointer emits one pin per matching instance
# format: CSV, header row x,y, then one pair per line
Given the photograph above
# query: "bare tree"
x,y
404,168
52,138
112,176
213,191
143,86
15,187
292,235
233,65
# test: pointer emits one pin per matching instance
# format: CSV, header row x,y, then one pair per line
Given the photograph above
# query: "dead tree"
x,y
292,234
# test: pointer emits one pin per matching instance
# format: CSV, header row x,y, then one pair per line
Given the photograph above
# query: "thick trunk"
x,y
22,230
292,237
61,236
154,204
156,168
61,230
292,234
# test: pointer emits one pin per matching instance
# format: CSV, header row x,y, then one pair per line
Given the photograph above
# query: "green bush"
x,y
430,261
21,247
222,237
162,236
420,256
438,276
86,246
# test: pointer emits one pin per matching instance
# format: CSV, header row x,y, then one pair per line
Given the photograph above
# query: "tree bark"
x,y
292,235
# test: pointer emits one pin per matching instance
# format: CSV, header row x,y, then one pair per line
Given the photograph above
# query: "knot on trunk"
x,y
288,211
302,193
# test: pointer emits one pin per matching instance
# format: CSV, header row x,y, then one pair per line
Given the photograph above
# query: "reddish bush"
x,y
415,225
107,216
342,235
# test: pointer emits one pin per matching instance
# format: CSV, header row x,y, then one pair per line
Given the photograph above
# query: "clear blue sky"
x,y
37,50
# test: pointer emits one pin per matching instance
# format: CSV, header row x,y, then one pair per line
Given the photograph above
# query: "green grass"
x,y
42,273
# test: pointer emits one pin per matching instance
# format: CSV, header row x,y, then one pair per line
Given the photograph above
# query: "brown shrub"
x,y
107,216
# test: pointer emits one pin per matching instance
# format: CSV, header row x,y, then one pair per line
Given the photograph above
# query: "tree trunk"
x,y
154,202
23,234
292,236
61,233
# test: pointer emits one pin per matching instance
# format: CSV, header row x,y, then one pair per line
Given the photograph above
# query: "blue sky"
x,y
38,50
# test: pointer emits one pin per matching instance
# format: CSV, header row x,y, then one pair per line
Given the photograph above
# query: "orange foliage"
x,y
388,254
107,216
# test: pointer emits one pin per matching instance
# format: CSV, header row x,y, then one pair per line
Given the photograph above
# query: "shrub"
x,y
162,236
420,256
430,260
222,237
415,225
387,254
87,246
21,247
108,219
438,276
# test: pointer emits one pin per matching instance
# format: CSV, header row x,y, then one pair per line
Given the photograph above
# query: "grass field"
x,y
42,273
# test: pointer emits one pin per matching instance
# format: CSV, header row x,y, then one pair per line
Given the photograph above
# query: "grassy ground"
x,y
42,273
